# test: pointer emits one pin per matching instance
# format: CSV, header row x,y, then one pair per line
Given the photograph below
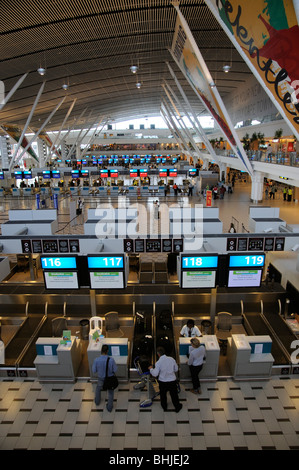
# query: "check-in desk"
x,y
57,362
250,356
210,367
118,349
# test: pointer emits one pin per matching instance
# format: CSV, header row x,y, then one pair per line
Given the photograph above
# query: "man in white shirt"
x,y
190,330
165,370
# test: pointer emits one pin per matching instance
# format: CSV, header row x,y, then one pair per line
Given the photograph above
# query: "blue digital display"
x,y
248,261
51,262
105,262
199,262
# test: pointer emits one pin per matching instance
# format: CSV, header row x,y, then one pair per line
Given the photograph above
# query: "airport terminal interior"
x,y
129,204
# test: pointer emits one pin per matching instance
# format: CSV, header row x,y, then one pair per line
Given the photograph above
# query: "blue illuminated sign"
x,y
248,261
51,262
105,262
199,262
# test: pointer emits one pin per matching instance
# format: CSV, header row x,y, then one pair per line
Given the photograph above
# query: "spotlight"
x,y
134,68
65,86
41,71
226,68
138,84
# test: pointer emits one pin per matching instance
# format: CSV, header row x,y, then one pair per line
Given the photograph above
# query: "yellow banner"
x,y
266,34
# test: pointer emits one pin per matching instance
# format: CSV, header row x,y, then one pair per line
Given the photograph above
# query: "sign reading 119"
x,y
247,261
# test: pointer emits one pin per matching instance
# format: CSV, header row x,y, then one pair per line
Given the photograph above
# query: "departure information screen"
x,y
48,262
202,262
105,262
247,261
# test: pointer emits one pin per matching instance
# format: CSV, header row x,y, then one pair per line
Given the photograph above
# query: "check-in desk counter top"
x,y
118,349
57,362
250,356
212,353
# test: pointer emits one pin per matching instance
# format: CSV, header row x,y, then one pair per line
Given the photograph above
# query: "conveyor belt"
x,y
45,331
20,340
259,327
277,323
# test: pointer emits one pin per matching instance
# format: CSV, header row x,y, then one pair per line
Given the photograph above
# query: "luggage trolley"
x,y
147,381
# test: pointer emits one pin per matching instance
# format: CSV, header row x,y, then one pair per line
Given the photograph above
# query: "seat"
x,y
112,325
145,277
224,326
59,324
95,324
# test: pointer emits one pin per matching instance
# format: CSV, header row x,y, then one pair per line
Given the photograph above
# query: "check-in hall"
x,y
120,236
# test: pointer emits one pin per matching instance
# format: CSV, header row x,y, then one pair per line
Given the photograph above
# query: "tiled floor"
x,y
229,415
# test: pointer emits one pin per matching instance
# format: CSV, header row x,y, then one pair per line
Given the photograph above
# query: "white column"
x,y
257,186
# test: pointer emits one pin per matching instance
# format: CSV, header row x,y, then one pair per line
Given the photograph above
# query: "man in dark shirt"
x,y
99,368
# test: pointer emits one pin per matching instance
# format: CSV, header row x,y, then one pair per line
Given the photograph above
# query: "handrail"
x,y
27,308
46,308
64,309
279,306
242,307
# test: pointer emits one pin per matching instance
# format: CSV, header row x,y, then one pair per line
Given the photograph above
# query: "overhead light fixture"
x,y
134,68
65,86
226,68
138,85
212,85
41,71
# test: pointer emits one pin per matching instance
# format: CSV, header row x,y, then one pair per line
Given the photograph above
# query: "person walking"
x,y
99,368
190,189
165,370
195,363
284,193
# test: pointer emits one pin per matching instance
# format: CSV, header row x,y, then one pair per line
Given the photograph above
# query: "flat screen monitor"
x,y
143,172
173,172
55,174
199,262
163,172
106,279
27,175
104,173
56,262
1,175
105,262
47,174
192,171
61,280
199,279
84,173
114,173
75,174
133,173
244,278
247,260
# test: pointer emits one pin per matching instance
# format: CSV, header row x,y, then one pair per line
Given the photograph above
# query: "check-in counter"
x,y
250,356
57,362
118,349
210,367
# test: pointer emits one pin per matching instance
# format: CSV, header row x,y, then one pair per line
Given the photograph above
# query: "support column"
x,y
222,171
257,187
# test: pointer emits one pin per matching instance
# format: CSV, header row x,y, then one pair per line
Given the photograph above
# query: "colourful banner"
x,y
15,133
44,136
266,34
190,61
208,198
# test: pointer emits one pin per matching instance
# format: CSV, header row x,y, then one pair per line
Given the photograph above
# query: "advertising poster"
x,y
266,35
191,63
209,198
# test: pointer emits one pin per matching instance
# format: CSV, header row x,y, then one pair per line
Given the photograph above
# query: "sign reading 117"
x,y
98,262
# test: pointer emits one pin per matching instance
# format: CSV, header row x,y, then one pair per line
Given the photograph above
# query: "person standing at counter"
x,y
195,363
190,330
165,370
99,368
